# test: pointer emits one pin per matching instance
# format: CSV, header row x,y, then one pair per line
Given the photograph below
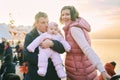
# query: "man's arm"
x,y
58,47
29,56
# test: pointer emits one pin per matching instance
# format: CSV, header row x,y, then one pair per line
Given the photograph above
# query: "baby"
x,y
53,34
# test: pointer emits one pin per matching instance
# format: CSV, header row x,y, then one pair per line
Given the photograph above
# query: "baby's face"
x,y
53,30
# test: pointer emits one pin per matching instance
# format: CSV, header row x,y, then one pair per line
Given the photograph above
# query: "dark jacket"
x,y
32,58
16,48
7,67
1,48
7,51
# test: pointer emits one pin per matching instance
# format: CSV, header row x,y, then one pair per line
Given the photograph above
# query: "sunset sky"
x,y
103,15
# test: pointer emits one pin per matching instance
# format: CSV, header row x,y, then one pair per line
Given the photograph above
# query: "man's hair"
x,y
40,14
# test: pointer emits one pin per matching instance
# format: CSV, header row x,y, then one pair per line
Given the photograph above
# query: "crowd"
x,y
10,56
39,57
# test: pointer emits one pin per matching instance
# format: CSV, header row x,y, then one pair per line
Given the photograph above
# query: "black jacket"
x,y
1,47
7,67
32,58
7,51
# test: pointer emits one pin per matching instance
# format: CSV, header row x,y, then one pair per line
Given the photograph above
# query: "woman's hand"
x,y
105,75
47,43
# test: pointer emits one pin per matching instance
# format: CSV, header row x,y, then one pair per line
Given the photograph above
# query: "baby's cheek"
x,y
56,32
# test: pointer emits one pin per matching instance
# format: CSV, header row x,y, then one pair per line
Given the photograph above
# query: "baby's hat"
x,y
51,24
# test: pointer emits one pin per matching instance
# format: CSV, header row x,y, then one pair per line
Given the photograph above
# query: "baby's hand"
x,y
29,50
47,43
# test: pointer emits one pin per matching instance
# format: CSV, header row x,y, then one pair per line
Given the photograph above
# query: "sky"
x,y
101,14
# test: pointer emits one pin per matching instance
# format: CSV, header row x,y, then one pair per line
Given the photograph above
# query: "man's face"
x,y
42,24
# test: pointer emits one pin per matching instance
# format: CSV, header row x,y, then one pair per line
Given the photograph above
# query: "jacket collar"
x,y
34,32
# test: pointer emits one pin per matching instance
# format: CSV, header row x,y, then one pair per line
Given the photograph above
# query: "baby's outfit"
x,y
46,53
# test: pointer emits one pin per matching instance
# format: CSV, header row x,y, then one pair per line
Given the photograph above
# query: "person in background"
x,y
17,46
81,62
2,44
12,76
39,27
17,50
7,51
7,67
20,54
24,70
110,68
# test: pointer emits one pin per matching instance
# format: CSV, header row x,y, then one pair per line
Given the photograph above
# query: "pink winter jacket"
x,y
77,64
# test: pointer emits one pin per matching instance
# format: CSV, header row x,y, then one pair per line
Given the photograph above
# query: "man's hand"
x,y
47,43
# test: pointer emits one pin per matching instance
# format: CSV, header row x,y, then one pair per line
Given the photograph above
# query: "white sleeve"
x,y
35,43
79,37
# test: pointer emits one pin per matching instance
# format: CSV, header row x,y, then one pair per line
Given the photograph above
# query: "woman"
x,y
81,62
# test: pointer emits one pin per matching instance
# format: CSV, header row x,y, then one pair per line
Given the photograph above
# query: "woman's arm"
x,y
88,51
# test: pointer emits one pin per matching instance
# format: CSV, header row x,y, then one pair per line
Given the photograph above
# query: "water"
x,y
108,50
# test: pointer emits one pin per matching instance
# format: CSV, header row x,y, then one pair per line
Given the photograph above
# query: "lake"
x,y
108,50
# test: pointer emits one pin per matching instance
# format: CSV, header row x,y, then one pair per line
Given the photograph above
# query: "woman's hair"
x,y
73,12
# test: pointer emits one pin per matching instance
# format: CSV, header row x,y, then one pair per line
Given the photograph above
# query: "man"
x,y
2,45
40,26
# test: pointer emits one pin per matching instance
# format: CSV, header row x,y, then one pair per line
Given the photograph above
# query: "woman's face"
x,y
65,16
